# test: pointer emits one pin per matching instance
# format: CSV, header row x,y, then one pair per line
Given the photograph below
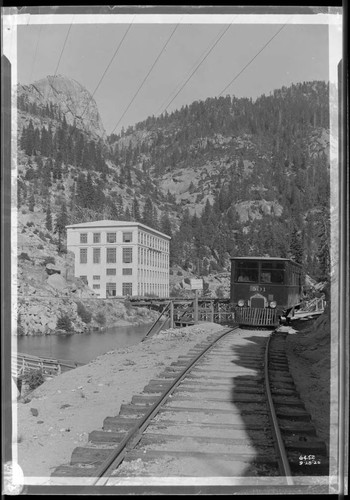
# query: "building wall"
x,y
147,273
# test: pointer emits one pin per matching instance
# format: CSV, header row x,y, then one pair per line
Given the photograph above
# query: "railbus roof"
x,y
266,258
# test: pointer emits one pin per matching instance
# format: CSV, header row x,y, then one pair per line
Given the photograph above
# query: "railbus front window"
x,y
246,272
272,272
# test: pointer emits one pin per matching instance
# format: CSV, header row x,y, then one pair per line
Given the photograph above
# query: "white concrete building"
x,y
120,258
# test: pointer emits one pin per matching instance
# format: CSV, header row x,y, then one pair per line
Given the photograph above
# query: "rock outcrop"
x,y
75,103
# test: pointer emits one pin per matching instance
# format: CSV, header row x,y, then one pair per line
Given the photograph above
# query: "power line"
x,y
110,62
209,46
253,58
144,80
59,59
35,53
201,62
64,45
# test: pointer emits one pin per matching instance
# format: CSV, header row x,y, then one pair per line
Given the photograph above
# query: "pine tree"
x,y
136,216
296,248
89,192
165,224
114,211
127,215
60,225
31,202
323,254
48,222
147,216
155,222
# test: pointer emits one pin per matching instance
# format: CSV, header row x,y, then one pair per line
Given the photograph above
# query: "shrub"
x,y
24,256
41,235
220,292
100,318
33,379
84,313
30,224
49,260
40,247
64,323
179,273
127,305
187,280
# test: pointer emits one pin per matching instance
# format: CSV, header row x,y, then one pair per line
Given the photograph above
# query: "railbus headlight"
x,y
273,304
241,303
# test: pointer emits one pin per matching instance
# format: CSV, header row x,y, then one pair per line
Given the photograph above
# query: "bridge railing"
x,y
23,363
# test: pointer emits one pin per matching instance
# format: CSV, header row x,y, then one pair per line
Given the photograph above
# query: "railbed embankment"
x,y
59,414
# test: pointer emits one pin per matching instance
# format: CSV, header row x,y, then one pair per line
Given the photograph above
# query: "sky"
x,y
140,67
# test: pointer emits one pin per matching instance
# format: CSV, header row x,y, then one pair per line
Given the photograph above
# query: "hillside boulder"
x,y
57,281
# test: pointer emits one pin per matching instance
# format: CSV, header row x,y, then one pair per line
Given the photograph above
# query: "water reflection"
x,y
81,347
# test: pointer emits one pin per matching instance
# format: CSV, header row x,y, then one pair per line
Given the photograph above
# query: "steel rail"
x,y
132,438
283,460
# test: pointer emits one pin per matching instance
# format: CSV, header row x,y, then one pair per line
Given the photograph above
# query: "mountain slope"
x,y
223,177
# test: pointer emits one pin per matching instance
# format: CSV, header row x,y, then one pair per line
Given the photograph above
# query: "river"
x,y
81,347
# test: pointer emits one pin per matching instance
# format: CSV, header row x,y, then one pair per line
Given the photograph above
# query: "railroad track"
x,y
228,408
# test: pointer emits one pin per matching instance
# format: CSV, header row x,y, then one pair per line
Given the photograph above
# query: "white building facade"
x,y
119,259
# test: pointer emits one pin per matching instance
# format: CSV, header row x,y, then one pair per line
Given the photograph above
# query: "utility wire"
x,y
59,59
35,54
209,47
144,80
253,58
201,62
108,66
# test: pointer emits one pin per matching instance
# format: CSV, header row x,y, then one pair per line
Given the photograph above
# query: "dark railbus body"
x,y
264,289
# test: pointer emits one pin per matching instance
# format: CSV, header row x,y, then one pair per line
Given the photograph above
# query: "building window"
x,y
111,255
111,289
96,277
127,289
111,272
127,270
96,287
97,238
127,237
111,237
96,255
127,255
83,256
83,237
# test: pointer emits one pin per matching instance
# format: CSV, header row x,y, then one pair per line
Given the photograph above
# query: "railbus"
x,y
265,290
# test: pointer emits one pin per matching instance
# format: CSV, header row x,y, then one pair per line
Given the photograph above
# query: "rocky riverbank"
x,y
50,302
50,299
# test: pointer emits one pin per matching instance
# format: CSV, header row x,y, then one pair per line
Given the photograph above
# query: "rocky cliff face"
x,y
74,102
48,292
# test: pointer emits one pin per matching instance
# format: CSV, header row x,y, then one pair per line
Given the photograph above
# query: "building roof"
x,y
114,223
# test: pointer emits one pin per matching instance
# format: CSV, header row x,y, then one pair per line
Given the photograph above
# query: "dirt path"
x,y
62,411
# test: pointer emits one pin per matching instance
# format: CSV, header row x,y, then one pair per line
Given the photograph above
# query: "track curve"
x,y
210,414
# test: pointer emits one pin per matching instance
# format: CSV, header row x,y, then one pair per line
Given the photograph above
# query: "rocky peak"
x,y
76,104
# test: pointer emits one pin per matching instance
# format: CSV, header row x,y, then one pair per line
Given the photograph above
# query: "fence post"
x,y
195,311
212,311
171,314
